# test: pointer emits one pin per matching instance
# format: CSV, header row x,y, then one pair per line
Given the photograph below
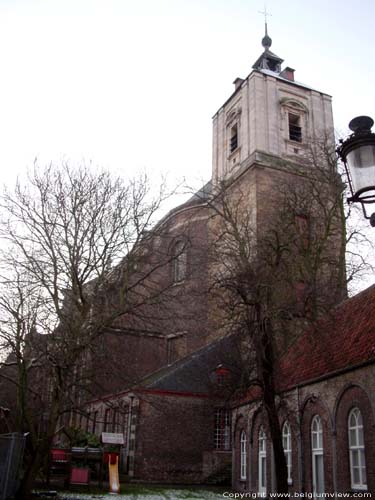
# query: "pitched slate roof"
x,y
193,373
343,339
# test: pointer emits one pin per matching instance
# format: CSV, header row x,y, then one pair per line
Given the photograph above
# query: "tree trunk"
x,y
31,471
266,369
281,471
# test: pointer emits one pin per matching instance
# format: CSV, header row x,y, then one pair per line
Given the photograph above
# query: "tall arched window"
x,y
179,262
262,462
287,445
243,468
357,450
317,454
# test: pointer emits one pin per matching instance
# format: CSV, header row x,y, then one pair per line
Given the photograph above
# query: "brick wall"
x,y
332,399
172,434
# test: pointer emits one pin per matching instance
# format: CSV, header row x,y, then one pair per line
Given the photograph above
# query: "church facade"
x,y
182,414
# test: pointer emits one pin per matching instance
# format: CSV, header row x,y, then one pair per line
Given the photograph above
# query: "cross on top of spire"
x,y
266,40
265,13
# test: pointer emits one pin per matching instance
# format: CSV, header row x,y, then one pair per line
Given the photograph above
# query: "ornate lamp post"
x,y
358,155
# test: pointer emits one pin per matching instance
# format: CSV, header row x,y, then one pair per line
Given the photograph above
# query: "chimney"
x,y
288,74
238,82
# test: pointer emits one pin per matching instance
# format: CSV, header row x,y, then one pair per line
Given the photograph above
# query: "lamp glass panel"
x,y
361,164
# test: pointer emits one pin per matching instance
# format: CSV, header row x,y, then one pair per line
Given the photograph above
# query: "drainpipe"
x,y
129,426
334,459
301,469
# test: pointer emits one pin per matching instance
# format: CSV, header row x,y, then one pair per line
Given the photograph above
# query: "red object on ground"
x,y
79,475
58,455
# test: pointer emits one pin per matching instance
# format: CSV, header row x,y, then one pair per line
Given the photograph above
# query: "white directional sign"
x,y
112,438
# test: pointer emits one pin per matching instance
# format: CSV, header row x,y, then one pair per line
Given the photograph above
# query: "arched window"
x,y
317,454
179,262
356,450
287,445
262,462
243,467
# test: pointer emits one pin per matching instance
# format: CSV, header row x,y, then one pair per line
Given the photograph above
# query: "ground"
x,y
138,492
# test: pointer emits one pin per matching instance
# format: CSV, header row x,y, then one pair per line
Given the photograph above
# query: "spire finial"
x,y
266,40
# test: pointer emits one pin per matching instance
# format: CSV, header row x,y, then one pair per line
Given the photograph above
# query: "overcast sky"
x,y
133,84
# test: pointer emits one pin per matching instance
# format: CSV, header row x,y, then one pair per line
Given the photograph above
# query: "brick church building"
x,y
177,401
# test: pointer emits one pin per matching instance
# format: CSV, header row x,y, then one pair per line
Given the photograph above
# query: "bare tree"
x,y
72,243
278,264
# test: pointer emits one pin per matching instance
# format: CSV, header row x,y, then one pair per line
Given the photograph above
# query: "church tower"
x,y
273,149
269,116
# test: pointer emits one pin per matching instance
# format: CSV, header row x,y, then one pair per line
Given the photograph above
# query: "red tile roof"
x,y
344,338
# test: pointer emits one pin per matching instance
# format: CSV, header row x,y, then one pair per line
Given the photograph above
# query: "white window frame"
x,y
243,455
287,445
317,450
262,461
357,448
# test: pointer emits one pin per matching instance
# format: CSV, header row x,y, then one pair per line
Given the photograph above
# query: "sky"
x,y
133,84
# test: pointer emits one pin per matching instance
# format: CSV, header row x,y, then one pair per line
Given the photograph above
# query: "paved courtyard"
x,y
148,494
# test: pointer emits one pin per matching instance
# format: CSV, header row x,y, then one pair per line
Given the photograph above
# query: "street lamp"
x,y
358,155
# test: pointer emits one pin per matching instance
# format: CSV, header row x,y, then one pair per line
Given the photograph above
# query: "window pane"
x,y
320,440
355,458
285,442
263,475
314,425
359,418
356,477
360,436
352,420
316,433
319,487
364,476
314,441
352,437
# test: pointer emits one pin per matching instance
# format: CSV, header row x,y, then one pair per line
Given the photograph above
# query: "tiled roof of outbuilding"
x,y
342,340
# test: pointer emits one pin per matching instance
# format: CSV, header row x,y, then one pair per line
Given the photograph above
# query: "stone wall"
x,y
331,399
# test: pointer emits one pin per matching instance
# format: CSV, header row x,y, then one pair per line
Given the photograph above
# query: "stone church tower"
x,y
273,151
269,118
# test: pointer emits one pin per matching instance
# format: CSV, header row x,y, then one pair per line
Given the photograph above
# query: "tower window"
x,y
295,130
233,138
